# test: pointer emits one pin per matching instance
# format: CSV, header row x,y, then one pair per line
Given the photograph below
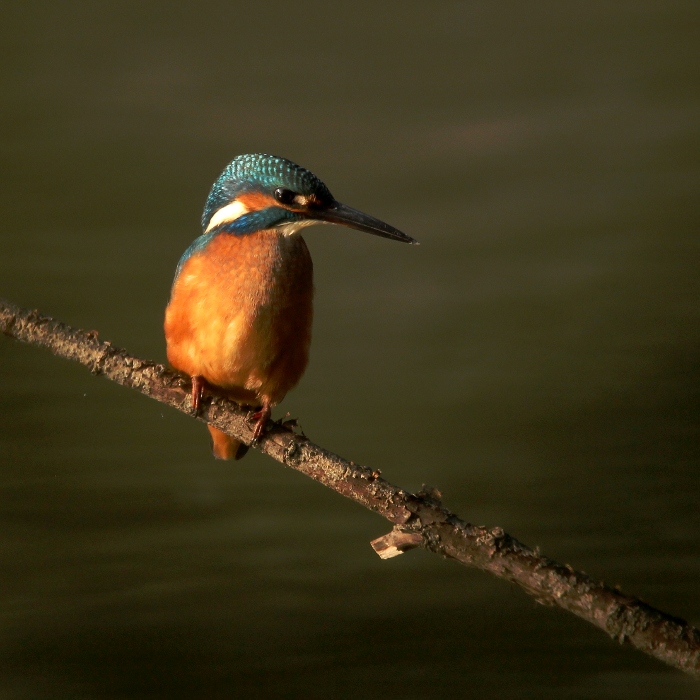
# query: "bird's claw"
x,y
198,385
260,419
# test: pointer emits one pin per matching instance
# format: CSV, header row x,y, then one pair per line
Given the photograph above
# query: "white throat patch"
x,y
292,227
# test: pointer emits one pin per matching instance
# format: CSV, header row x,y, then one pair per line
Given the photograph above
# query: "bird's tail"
x,y
224,446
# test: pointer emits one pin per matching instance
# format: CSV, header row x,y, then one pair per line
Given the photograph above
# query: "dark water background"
x,y
536,358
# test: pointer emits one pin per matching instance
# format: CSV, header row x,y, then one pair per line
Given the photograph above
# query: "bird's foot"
x,y
260,419
199,384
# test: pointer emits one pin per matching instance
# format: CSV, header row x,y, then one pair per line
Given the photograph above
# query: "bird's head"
x,y
257,192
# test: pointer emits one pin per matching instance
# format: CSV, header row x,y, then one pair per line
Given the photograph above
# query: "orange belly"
x,y
240,315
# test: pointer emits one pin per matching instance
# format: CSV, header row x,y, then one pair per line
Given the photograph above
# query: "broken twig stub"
x,y
396,542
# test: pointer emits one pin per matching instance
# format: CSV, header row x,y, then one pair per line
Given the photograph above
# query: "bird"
x,y
238,321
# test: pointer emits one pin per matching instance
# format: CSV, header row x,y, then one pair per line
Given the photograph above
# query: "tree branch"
x,y
418,519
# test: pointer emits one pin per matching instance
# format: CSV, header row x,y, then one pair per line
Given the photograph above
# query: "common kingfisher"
x,y
239,317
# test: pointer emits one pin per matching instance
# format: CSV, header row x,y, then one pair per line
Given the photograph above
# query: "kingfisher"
x,y
239,317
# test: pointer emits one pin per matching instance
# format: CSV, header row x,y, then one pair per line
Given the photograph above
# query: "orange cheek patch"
x,y
255,201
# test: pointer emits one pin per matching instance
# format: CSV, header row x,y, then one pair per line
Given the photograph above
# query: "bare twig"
x,y
419,519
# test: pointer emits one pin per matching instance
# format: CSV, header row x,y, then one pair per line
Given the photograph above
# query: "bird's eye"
x,y
284,196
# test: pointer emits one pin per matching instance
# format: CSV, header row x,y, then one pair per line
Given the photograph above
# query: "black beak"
x,y
338,213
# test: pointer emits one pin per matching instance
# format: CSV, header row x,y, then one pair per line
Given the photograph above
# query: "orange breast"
x,y
240,315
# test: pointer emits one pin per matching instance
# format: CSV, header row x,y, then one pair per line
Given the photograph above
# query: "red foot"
x,y
261,417
199,384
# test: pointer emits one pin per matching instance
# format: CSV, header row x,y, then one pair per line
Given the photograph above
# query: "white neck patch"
x,y
226,214
289,229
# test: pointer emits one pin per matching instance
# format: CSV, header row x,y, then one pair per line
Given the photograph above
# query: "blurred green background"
x,y
536,358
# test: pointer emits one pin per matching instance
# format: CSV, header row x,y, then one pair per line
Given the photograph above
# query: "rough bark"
x,y
418,519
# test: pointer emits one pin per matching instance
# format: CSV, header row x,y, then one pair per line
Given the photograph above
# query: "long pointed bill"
x,y
341,214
